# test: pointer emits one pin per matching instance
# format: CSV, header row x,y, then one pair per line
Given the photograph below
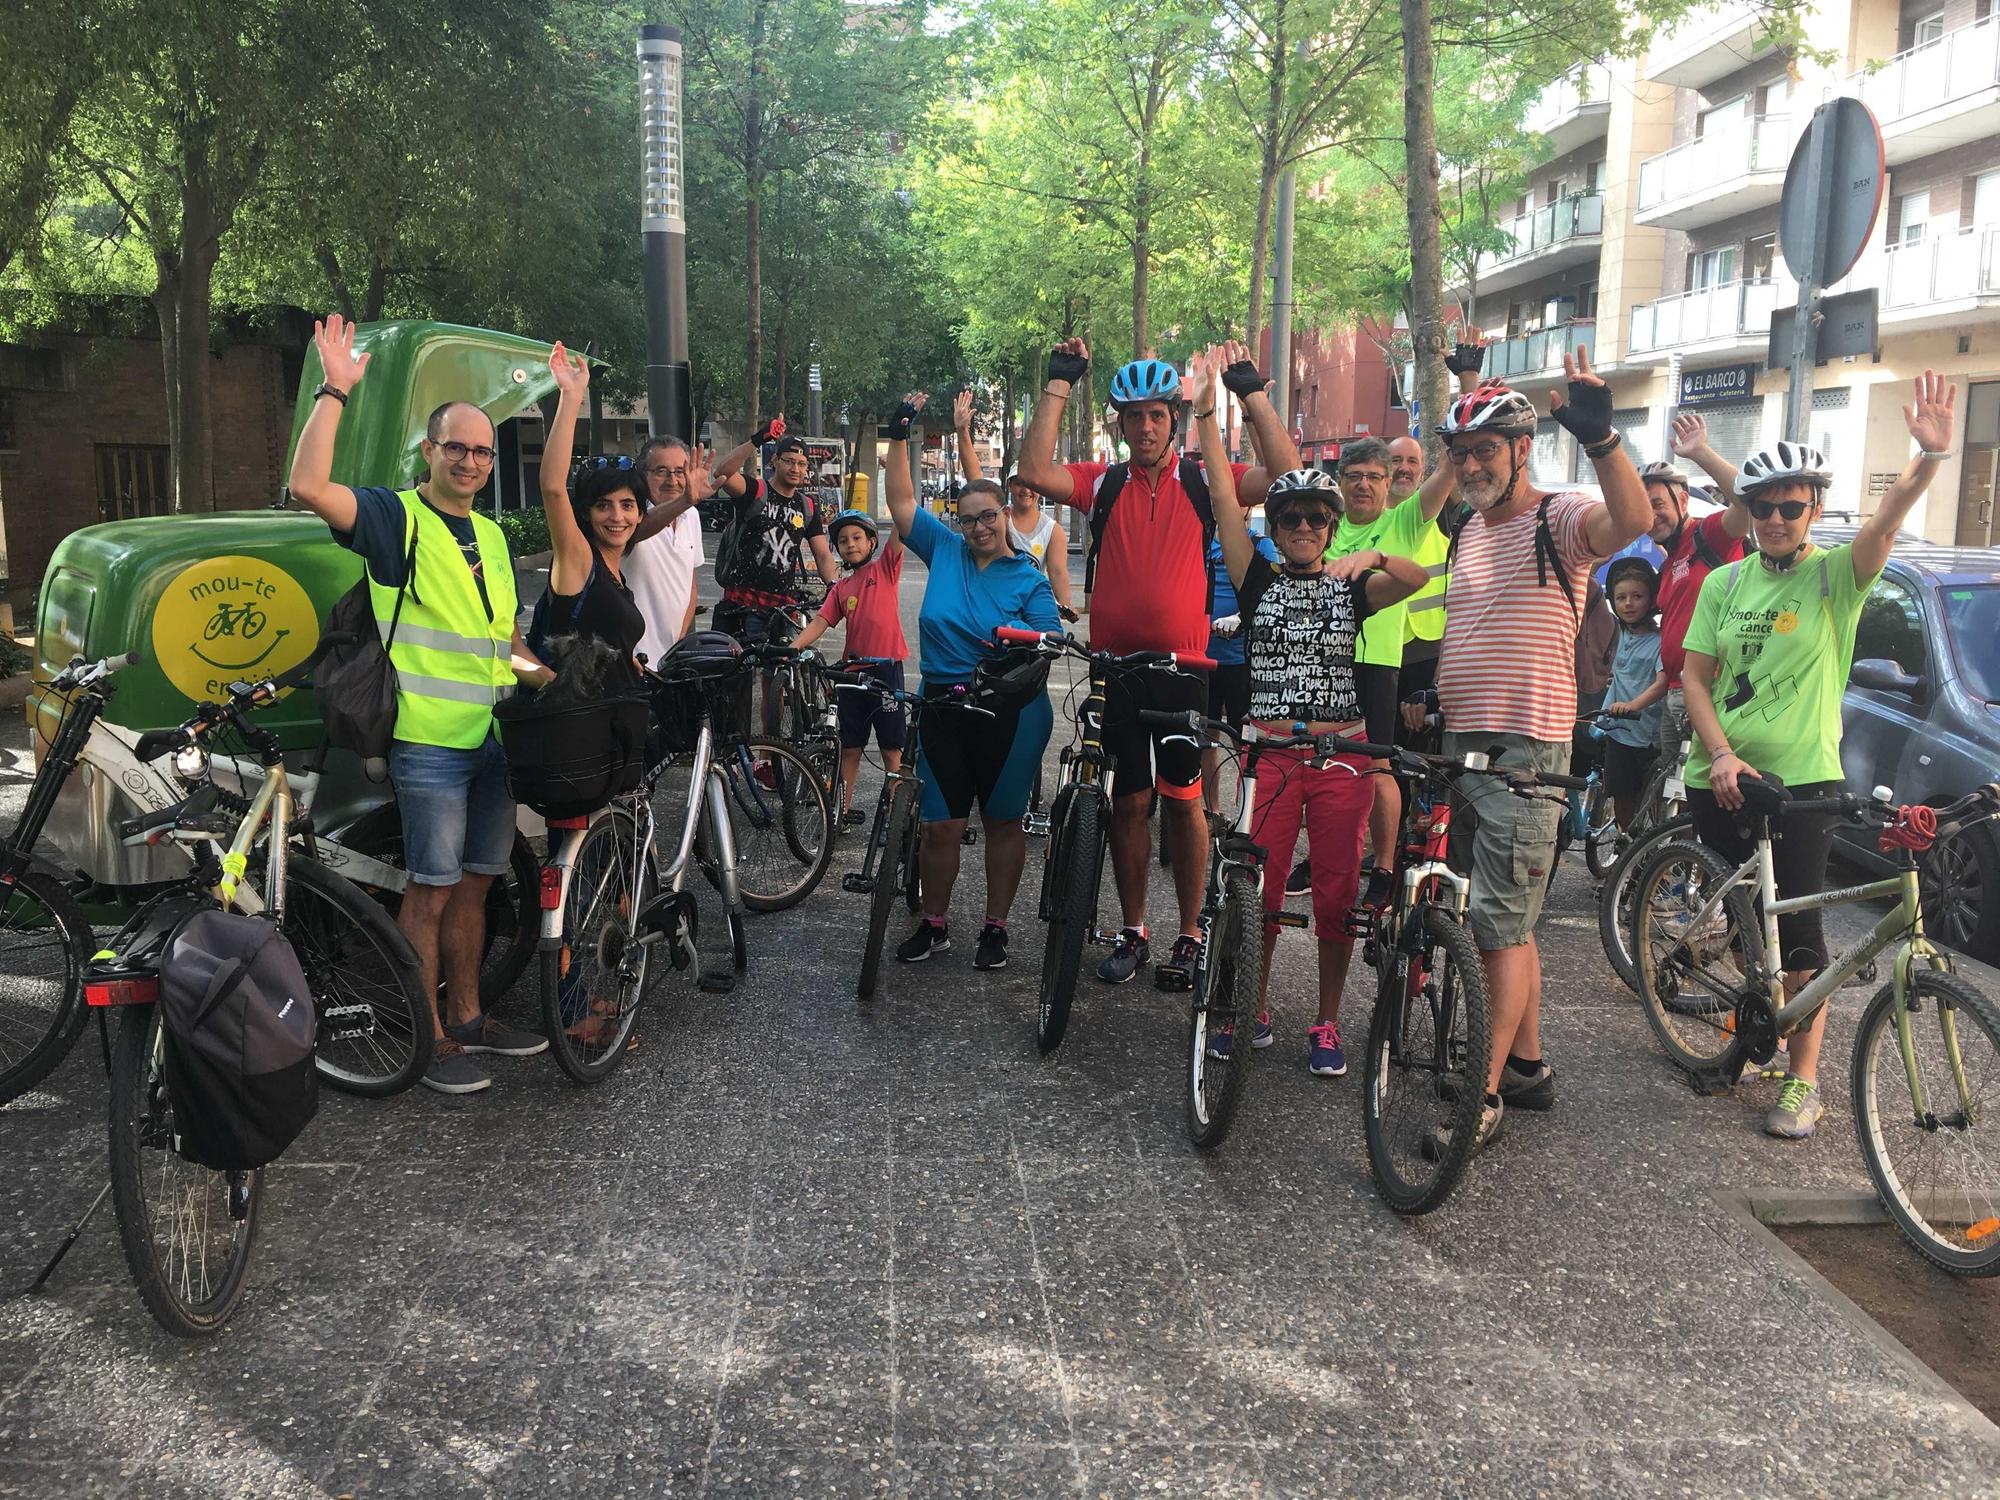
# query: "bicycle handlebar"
x,y
1058,640
80,673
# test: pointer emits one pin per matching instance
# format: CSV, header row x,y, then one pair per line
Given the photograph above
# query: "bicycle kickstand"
x,y
56,1260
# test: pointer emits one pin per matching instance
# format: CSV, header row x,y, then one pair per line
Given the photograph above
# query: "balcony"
x,y
1733,317
1539,352
1706,45
1731,172
1574,109
1938,282
1943,94
1551,238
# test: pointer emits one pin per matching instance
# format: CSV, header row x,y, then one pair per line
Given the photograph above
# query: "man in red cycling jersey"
x,y
1694,549
1146,583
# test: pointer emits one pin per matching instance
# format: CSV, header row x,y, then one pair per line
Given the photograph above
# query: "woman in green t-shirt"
x,y
1768,652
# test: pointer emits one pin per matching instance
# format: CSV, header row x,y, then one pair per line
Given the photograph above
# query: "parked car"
x,y
1922,717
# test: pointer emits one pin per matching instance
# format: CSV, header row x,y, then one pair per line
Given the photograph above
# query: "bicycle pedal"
x,y
346,1023
1296,919
1035,825
1173,981
857,884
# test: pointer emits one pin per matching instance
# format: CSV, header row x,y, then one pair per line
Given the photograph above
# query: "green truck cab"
x,y
206,600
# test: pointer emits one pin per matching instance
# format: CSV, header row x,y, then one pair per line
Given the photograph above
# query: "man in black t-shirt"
x,y
771,531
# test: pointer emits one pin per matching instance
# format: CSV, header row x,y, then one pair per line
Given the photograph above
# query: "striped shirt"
x,y
1509,659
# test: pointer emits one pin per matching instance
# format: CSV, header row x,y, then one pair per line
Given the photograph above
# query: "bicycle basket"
x,y
567,762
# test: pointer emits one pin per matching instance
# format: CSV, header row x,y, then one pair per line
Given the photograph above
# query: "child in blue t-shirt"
x,y
1638,684
1229,683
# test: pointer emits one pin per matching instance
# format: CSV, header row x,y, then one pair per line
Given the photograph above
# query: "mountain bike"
x,y
778,803
1707,943
1661,816
889,858
1079,822
1590,818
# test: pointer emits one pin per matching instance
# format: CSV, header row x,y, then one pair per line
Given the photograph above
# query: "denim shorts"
x,y
458,813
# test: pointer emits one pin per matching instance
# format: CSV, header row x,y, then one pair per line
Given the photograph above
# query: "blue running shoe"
x,y
1222,1042
1325,1057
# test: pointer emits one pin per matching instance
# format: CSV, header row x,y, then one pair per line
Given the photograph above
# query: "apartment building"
x,y
1650,238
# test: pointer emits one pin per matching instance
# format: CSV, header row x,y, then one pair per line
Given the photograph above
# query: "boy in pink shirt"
x,y
865,602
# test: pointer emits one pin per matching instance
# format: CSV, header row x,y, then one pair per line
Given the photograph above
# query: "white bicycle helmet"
x,y
1663,473
1295,485
1783,463
1497,409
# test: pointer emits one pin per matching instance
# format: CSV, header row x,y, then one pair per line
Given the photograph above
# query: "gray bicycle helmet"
x,y
1296,485
1783,463
1664,473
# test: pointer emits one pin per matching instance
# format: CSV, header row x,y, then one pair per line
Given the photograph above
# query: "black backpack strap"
x,y
1109,484
409,583
1704,549
1548,556
1195,483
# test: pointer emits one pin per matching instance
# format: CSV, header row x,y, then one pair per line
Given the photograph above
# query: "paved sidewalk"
x,y
796,1246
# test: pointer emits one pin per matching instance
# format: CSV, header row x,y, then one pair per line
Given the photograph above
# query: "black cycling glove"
x,y
771,430
1244,379
901,421
1587,413
1066,367
1466,359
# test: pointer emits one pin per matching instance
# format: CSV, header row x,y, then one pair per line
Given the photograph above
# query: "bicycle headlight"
x,y
191,763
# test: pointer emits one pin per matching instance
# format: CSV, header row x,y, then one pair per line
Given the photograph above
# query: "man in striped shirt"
x,y
1507,676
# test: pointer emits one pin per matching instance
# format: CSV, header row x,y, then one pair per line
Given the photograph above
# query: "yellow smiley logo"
x,y
849,603
231,619
1786,623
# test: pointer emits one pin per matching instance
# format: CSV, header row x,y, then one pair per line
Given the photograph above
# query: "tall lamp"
x,y
663,229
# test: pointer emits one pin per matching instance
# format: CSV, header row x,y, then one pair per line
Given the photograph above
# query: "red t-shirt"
x,y
1680,586
865,601
1151,591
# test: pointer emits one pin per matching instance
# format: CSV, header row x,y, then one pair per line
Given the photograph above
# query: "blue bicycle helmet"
x,y
859,518
1146,380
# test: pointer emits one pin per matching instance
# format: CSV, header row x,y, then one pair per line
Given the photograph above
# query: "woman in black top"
x,y
591,528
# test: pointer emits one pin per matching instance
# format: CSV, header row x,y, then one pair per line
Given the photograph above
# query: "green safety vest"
x,y
452,654
1423,611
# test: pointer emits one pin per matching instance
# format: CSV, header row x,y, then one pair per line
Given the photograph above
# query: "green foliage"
x,y
527,531
15,658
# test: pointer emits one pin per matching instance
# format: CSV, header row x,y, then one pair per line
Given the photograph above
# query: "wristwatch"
x,y
1939,457
334,391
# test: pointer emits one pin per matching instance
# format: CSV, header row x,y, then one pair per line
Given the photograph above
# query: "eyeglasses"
x,y
1363,476
1791,510
664,471
1303,520
968,520
458,453
1484,452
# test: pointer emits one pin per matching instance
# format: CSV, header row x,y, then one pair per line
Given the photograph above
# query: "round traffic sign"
x,y
1844,199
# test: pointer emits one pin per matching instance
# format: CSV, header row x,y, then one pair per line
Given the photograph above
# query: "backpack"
x,y
1547,555
236,1028
537,635
1705,550
355,686
1113,484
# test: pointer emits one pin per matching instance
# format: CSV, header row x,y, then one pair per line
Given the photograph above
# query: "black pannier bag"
x,y
568,761
236,1020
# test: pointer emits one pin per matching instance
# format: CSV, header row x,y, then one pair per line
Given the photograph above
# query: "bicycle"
x,y
779,804
1590,818
1661,815
889,859
1430,1038
1079,822
1707,941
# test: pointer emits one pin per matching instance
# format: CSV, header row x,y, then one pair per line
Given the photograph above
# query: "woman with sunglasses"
x,y
1768,653
1302,617
591,528
977,584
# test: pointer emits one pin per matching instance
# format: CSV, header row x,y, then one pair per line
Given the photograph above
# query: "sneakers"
x,y
1797,1111
1177,973
451,1071
1323,1054
1438,1142
930,937
1535,1089
992,950
1222,1042
484,1034
1300,882
1127,954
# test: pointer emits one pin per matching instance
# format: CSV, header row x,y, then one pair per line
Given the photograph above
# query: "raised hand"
x,y
905,416
1690,434
572,374
1933,416
1465,359
335,341
1240,372
1199,386
701,479
1587,411
1068,360
961,411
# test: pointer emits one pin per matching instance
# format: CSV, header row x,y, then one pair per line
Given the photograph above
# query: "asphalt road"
x,y
800,1247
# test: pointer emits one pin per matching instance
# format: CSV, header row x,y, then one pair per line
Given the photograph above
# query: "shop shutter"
x,y
1635,425
1735,428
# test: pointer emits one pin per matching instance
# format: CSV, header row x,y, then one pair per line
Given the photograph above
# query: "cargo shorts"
x,y
1674,726
1506,842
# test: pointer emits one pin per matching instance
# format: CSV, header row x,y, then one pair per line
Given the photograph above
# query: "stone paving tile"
x,y
961,1216
1009,1472
1201,1469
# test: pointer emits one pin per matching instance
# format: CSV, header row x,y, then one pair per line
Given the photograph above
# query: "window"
x,y
1985,199
1927,30
1722,119
1775,97
1708,268
132,481
1586,300
1593,176
1763,255
1523,317
1891,628
1912,217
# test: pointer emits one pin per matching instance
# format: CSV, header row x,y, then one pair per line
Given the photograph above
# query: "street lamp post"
x,y
663,229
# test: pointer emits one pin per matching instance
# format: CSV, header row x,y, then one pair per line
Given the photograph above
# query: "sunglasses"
x,y
1485,452
459,452
1791,510
1303,520
607,461
968,520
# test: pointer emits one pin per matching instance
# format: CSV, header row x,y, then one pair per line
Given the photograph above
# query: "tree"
x,y
52,61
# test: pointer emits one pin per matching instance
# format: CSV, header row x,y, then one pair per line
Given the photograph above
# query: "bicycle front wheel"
x,y
1694,969
1228,992
1614,903
1423,1079
1603,839
1930,1151
891,874
44,943
186,1230
778,821
593,983
374,1020
1079,839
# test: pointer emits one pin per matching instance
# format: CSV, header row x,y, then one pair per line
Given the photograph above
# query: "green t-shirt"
x,y
1397,532
1783,644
